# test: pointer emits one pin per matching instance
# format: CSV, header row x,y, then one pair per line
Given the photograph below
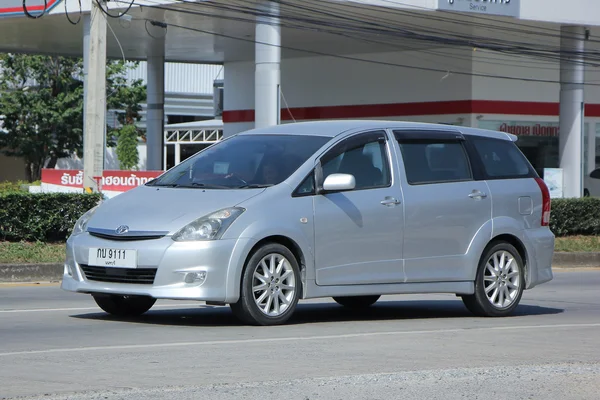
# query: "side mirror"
x,y
339,182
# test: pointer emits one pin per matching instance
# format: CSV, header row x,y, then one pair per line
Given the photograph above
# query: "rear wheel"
x,y
270,286
124,306
499,283
357,301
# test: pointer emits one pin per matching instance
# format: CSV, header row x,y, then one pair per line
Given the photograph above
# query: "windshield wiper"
x,y
192,185
203,186
165,185
254,186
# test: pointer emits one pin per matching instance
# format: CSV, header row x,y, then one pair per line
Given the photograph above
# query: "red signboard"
x,y
530,129
117,181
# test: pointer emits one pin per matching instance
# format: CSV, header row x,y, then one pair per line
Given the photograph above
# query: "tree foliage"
x,y
41,109
127,147
41,106
125,101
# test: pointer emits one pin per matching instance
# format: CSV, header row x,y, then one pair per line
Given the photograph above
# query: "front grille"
x,y
110,234
115,237
142,276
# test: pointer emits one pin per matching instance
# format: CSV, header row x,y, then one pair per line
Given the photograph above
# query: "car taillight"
x,y
545,201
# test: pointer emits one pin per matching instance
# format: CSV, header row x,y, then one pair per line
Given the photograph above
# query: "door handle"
x,y
476,194
390,201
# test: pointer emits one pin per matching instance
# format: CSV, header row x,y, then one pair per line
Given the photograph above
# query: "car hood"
x,y
160,209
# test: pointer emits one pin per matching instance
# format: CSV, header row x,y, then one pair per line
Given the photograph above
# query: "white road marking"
x,y
93,308
292,339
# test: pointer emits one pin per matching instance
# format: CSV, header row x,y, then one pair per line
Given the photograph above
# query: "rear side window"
x,y
435,162
501,159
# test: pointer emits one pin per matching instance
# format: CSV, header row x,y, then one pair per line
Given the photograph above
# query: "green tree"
x,y
127,141
41,106
125,99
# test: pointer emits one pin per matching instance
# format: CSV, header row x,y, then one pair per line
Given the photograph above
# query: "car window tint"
x,y
364,157
431,162
501,158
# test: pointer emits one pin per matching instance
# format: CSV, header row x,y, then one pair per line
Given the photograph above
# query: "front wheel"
x,y
124,306
499,283
270,286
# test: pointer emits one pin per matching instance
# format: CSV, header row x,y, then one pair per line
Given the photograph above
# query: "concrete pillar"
x,y
571,108
86,22
177,153
95,100
267,63
591,149
164,158
155,115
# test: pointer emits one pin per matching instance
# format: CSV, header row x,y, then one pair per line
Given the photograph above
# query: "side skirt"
x,y
312,290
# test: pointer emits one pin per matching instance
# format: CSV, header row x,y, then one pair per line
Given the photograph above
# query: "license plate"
x,y
116,258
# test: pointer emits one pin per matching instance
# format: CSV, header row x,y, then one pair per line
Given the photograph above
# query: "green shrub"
x,y
11,187
575,216
44,217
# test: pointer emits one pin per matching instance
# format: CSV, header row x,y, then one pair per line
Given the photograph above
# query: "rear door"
x,y
444,206
510,178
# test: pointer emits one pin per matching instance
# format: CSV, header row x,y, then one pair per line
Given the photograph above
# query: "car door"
x,y
358,233
445,208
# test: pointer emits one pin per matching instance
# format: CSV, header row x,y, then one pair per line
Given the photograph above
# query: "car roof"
x,y
332,128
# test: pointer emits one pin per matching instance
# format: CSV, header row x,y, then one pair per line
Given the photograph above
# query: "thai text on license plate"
x,y
107,257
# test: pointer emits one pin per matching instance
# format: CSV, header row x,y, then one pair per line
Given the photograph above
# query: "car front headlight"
x,y
81,224
209,227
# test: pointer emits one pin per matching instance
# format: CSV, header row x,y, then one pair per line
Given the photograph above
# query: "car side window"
x,y
364,156
435,161
501,158
307,187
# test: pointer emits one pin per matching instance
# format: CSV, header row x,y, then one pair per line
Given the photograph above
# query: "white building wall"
x,y
184,78
329,81
561,11
485,88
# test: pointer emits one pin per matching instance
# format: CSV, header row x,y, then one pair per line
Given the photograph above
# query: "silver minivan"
x,y
346,209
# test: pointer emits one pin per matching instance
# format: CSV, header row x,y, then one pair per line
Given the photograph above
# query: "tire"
x,y
357,301
270,288
495,268
124,306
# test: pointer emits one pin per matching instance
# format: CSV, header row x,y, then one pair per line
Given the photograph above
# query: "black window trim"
x,y
411,135
425,136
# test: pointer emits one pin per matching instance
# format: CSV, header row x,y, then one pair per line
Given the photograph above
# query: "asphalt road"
x,y
54,343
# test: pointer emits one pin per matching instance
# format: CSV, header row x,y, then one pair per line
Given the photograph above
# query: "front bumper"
x,y
172,262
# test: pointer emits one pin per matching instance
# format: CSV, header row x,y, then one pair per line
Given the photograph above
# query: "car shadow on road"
x,y
310,313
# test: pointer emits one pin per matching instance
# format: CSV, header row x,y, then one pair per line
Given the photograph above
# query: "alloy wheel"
x,y
502,279
273,284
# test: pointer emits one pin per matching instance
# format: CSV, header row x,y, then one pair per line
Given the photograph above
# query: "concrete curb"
x,y
16,273
576,260
12,273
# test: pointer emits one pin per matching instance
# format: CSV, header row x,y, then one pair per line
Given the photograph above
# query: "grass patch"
x,y
578,244
36,252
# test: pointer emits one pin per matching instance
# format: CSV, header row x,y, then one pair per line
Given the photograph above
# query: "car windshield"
x,y
245,161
